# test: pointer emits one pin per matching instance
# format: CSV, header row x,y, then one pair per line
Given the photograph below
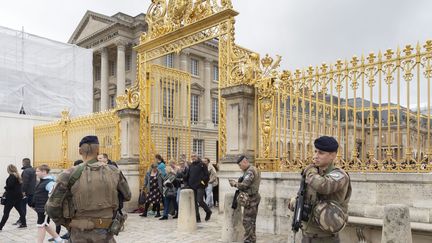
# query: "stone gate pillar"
x,y
240,133
129,151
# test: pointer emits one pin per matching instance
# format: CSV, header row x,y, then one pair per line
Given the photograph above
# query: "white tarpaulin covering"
x,y
42,76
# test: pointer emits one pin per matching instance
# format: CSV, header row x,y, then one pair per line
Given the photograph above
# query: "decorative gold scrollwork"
x,y
244,66
130,100
163,17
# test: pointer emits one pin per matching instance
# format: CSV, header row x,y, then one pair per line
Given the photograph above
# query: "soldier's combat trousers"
x,y
249,218
93,236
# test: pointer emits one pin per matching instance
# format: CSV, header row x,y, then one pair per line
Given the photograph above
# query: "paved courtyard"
x,y
137,229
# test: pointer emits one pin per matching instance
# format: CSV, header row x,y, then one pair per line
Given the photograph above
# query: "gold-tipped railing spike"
x,y
56,143
378,129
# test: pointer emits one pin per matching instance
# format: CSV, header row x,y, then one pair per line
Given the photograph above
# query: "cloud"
x,y
312,31
304,32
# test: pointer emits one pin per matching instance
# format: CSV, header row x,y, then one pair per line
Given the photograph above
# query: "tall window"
x,y
169,60
194,67
198,147
112,68
112,101
215,111
172,147
96,105
128,62
97,73
168,103
194,108
216,73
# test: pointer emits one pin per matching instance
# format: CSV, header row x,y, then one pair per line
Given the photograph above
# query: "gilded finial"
x,y
428,46
389,54
408,50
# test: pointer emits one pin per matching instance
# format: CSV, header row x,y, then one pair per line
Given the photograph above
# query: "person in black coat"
x,y
28,176
196,178
13,196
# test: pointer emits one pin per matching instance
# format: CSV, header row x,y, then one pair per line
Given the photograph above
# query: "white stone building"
x,y
114,69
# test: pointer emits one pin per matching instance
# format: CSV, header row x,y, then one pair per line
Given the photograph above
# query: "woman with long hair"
x,y
153,183
13,196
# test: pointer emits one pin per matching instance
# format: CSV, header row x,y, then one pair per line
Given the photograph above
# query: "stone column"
x,y
184,106
129,152
121,64
104,80
134,65
240,124
396,224
232,228
207,95
240,132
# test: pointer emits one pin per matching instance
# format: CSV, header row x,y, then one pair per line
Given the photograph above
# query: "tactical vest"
x,y
313,226
95,192
41,195
254,187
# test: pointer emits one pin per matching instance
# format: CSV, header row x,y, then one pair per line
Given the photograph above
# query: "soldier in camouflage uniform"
x,y
249,196
95,201
328,192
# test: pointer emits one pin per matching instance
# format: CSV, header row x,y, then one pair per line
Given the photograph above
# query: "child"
x,y
43,188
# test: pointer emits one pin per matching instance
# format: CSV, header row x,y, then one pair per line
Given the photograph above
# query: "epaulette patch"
x,y
249,173
336,175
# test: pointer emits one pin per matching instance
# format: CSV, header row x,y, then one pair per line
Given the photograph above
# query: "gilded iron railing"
x,y
170,116
378,107
172,27
56,144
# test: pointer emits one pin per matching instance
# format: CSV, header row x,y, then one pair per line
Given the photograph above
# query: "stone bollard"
x,y
187,217
232,229
396,224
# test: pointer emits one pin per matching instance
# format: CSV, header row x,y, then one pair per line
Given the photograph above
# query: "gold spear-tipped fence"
x,y
377,106
56,144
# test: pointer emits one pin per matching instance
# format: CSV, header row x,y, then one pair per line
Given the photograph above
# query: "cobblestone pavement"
x,y
137,229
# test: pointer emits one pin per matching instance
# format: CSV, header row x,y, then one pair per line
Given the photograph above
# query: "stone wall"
x,y
371,192
16,140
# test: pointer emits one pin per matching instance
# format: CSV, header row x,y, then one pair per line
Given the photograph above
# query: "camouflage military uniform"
x,y
100,219
250,186
330,184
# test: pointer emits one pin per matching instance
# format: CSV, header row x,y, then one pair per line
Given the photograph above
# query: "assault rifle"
x,y
237,192
302,210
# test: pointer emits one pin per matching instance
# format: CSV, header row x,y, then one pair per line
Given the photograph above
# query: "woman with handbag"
x,y
170,186
153,182
13,196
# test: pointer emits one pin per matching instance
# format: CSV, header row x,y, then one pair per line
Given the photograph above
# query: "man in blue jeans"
x,y
213,181
28,176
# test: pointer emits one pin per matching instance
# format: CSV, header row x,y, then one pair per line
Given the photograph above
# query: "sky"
x,y
303,32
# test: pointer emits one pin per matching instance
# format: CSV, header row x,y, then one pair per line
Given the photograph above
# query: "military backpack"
x,y
78,196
